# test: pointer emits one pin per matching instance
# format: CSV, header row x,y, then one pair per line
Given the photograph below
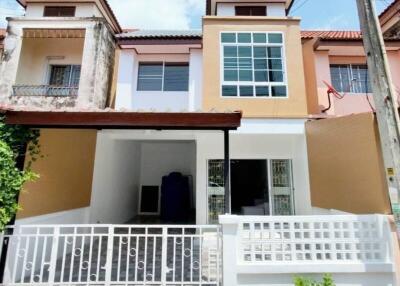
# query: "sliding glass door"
x,y
258,187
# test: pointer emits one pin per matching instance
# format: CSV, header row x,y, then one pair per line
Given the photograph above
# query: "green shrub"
x,y
15,142
11,182
326,281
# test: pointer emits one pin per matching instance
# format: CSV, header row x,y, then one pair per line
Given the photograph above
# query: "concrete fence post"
x,y
230,226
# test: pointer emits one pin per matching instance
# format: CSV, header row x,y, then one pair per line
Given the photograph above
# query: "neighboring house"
x,y
181,128
338,58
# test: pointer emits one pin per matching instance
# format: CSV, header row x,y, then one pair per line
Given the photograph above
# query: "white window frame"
x,y
163,62
351,76
253,83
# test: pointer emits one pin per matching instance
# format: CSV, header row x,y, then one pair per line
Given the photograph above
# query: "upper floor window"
x,y
253,65
65,75
251,10
350,78
163,77
59,11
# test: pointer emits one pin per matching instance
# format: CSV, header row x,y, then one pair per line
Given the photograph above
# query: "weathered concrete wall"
x,y
9,62
97,68
97,64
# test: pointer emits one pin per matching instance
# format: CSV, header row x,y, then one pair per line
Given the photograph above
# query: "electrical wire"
x,y
366,91
299,6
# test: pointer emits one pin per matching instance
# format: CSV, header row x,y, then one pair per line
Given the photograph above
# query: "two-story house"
x,y
150,137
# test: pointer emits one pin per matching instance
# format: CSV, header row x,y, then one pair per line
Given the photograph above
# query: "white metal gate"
x,y
113,255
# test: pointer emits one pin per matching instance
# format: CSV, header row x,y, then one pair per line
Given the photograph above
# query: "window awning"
x,y
125,120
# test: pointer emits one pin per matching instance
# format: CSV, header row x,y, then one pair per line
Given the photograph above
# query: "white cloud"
x,y
157,14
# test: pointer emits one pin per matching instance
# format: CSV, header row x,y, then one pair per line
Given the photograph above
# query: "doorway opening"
x,y
249,187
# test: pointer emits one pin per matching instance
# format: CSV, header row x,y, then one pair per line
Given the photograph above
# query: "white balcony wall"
x,y
35,10
273,9
128,97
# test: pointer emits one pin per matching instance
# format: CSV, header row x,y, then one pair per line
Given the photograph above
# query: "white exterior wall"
x,y
273,9
247,144
256,139
151,100
35,10
115,181
195,79
160,159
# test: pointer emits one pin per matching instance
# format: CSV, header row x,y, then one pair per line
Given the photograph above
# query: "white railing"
x,y
297,244
113,255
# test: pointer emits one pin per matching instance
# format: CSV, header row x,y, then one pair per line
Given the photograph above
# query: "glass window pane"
x,y
228,37
360,72
260,64
259,38
275,52
150,77
244,52
336,78
176,77
262,91
340,76
245,75
230,52
230,63
229,90
245,63
230,75
275,38
76,74
278,91
244,38
276,76
261,76
275,64
246,90
260,52
60,75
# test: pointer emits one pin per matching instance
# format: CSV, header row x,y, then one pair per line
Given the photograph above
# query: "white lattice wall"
x,y
353,248
314,239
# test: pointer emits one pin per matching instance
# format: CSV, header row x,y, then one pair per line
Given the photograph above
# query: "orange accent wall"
x,y
310,74
346,166
66,172
294,105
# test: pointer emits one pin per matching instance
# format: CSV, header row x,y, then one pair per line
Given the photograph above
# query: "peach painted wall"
x,y
351,103
293,106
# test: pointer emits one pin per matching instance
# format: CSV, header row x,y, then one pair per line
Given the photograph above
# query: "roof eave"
x,y
125,120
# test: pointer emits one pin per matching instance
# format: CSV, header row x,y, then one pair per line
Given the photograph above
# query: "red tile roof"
x,y
332,35
388,8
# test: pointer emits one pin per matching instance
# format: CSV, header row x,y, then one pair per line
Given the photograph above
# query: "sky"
x,y
186,14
